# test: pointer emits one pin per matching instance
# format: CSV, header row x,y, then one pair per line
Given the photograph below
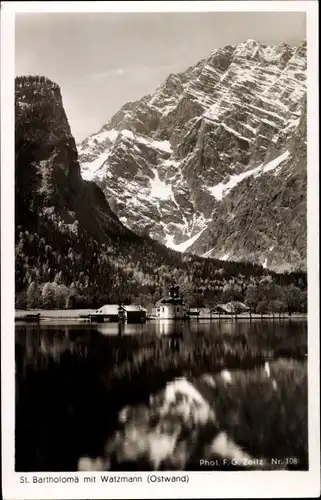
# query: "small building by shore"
x,y
135,313
234,307
110,311
129,313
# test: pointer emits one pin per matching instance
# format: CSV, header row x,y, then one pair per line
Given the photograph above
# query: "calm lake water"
x,y
72,379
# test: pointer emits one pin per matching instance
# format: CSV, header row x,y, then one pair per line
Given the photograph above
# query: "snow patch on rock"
x,y
222,189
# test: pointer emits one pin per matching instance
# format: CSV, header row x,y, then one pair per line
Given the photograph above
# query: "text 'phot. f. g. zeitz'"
x,y
160,242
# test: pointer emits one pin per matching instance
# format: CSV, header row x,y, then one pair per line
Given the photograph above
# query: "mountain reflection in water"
x,y
83,390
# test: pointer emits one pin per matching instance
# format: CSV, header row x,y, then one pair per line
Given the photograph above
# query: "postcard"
x,y
159,250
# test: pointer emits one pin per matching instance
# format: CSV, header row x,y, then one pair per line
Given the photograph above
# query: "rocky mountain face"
x,y
47,172
214,162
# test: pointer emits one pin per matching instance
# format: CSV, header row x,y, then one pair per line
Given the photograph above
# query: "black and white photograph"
x,y
160,244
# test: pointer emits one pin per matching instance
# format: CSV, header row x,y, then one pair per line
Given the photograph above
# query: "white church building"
x,y
171,307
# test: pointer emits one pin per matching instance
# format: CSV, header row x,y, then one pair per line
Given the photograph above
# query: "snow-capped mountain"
x,y
214,162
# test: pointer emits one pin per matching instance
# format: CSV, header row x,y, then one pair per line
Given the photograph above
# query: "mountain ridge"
x,y
161,160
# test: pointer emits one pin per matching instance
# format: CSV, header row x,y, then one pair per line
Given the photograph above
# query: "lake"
x,y
80,386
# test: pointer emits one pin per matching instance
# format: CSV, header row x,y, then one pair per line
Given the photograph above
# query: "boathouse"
x,y
129,313
135,314
111,312
172,306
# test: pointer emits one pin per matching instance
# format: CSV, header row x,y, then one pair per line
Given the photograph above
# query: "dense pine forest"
x,y
69,269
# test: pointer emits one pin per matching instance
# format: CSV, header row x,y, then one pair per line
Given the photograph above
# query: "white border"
x,y
201,484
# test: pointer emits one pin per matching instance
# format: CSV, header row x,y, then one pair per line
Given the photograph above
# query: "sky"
x,y
103,60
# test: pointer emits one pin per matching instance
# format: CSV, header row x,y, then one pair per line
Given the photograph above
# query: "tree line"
x,y
62,266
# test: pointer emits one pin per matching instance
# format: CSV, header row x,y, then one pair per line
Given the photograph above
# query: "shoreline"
x,y
74,315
